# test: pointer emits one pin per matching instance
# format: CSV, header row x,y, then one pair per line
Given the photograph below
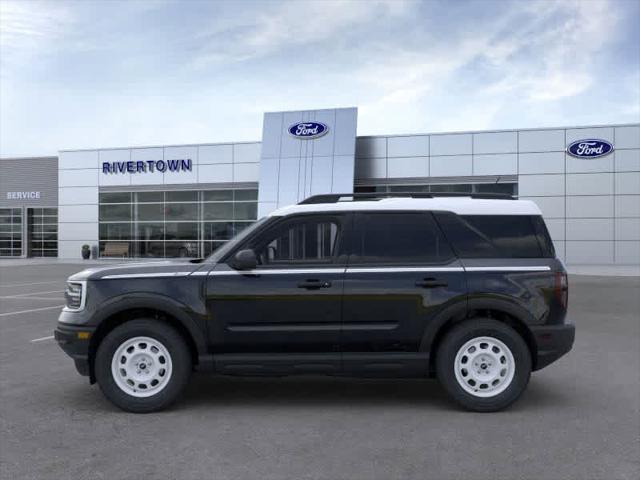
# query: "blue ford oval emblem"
x,y
308,130
590,148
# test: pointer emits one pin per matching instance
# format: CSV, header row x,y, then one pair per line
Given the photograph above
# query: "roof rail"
x,y
366,196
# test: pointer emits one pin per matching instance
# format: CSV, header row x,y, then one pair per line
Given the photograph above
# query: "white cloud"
x,y
284,25
26,27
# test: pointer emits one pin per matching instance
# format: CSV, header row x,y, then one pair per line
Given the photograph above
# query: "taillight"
x,y
562,289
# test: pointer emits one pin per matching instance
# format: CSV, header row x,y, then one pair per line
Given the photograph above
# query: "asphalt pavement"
x,y
579,418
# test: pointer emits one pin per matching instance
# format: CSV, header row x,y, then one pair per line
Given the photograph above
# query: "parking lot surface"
x,y
579,418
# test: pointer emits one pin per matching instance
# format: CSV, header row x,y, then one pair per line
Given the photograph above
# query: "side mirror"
x,y
245,260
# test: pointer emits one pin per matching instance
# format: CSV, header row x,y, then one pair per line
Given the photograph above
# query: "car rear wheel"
x,y
143,365
483,364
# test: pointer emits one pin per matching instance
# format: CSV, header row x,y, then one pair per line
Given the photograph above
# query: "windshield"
x,y
231,244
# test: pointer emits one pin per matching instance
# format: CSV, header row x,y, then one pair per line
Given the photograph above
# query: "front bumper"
x,y
553,341
74,340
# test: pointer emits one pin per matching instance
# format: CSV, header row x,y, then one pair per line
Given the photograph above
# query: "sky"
x,y
88,74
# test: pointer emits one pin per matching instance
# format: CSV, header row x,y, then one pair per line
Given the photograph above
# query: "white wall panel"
x,y
215,154
627,205
555,227
551,207
601,133
342,174
628,253
246,172
321,174
268,180
215,173
452,144
451,165
77,213
272,127
495,142
628,137
246,153
78,195
500,164
78,231
627,228
292,174
371,168
410,146
346,125
146,178
590,206
322,146
593,253
77,178
291,146
541,185
402,167
585,165
79,159
541,141
371,147
590,184
545,162
628,183
627,160
589,229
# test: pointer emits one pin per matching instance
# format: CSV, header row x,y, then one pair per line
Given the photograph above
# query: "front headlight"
x,y
75,295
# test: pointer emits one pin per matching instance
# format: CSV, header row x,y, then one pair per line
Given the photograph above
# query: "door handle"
x,y
431,283
314,284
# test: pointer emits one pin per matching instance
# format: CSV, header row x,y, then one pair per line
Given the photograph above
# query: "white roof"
x,y
459,205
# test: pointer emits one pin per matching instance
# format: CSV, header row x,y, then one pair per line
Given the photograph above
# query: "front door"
x,y
400,274
291,303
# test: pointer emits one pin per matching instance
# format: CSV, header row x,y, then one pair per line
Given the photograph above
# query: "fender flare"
x,y
154,301
460,309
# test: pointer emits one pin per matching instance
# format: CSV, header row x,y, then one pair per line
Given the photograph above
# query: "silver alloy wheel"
x,y
484,367
141,366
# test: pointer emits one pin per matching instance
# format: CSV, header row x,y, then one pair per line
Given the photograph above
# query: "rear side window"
x,y
399,238
497,236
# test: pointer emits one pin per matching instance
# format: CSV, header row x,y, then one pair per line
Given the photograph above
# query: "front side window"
x,y
300,241
399,238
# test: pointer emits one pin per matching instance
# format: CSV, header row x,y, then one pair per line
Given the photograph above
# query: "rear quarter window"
x,y
497,236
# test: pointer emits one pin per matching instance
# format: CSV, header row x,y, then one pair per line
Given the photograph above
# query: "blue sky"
x,y
99,74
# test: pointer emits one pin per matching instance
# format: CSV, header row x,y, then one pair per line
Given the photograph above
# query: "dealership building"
x,y
186,200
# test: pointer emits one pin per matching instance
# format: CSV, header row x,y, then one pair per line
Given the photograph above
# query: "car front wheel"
x,y
142,365
483,364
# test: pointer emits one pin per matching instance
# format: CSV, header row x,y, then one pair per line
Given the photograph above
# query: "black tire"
x,y
180,361
457,338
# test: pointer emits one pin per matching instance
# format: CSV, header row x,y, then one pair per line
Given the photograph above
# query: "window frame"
x,y
357,228
339,257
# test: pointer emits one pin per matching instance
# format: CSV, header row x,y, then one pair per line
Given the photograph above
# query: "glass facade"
x,y
10,232
503,188
185,223
42,228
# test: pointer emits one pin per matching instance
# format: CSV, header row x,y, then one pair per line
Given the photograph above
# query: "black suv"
x,y
467,289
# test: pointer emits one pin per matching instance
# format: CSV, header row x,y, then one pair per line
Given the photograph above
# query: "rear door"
x,y
400,274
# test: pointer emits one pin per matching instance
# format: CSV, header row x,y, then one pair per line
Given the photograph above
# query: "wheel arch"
x,y
500,309
157,307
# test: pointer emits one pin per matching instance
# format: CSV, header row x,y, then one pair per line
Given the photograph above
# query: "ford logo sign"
x,y
308,130
590,148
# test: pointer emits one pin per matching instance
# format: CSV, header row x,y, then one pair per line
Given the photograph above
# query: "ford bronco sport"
x,y
467,289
